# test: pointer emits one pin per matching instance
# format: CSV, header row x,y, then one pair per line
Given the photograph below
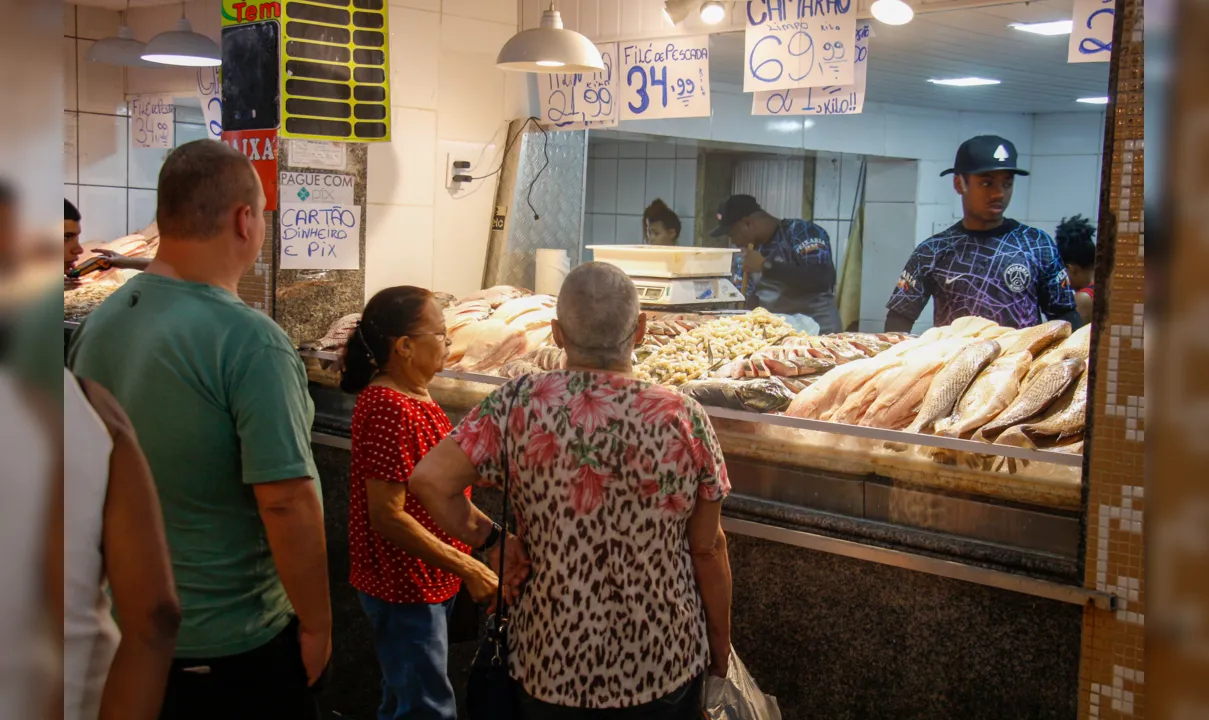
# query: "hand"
x,y
753,261
482,584
118,260
316,652
719,670
516,566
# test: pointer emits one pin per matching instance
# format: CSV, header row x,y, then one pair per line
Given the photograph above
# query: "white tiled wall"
x,y
626,176
450,103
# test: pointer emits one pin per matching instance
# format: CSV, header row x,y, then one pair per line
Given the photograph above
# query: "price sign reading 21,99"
x,y
665,78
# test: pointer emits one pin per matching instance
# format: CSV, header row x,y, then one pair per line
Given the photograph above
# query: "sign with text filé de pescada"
x,y
320,236
576,101
1091,31
152,121
666,78
799,43
827,100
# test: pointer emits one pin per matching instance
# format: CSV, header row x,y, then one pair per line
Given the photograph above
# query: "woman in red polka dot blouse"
x,y
405,569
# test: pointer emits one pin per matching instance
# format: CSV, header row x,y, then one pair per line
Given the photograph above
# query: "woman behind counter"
x,y
406,571
617,485
660,225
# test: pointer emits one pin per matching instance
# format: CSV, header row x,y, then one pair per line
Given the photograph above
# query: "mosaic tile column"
x,y
1112,681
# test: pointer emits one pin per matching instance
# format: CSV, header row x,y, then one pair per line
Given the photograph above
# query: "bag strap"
x,y
501,610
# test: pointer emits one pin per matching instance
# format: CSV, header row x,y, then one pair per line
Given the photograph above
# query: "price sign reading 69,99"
x,y
665,78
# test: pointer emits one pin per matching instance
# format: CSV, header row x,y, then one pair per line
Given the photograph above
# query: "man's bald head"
x,y
200,185
598,315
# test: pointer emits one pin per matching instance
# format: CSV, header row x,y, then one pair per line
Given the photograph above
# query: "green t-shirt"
x,y
219,400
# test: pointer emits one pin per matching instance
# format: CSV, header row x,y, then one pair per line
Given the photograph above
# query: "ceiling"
x,y
962,43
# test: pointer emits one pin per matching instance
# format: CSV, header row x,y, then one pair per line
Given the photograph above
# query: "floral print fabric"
x,y
605,472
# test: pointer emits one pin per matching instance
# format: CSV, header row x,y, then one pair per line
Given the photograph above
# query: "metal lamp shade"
x,y
550,49
182,46
121,50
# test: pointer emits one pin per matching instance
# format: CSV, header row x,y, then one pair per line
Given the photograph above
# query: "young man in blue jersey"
x,y
986,265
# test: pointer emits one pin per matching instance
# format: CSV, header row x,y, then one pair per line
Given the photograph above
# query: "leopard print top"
x,y
605,472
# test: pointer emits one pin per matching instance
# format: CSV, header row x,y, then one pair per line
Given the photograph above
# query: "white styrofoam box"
x,y
686,149
666,262
95,23
629,230
429,5
891,180
661,181
103,142
99,86
733,122
604,229
827,185
1062,186
850,176
688,232
103,213
611,149
685,201
490,10
141,211
399,247
415,42
1074,133
144,166
887,243
631,149
656,149
631,187
404,171
922,133
71,147
470,90
604,186
72,192
69,20
70,71
188,132
1017,127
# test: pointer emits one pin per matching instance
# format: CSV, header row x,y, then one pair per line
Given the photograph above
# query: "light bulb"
x,y
713,12
892,12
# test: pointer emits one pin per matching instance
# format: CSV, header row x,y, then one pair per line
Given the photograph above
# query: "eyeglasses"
x,y
444,335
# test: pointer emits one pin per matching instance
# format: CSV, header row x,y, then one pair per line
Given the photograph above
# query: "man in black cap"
x,y
786,265
986,265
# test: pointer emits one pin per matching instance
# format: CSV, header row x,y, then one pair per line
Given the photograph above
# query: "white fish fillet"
x,y
990,393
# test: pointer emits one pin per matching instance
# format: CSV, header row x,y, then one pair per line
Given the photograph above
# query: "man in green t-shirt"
x,y
218,397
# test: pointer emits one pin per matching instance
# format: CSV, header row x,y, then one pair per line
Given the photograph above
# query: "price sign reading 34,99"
x,y
665,78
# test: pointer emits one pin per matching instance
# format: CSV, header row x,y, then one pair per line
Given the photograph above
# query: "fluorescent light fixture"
x,y
1094,100
892,12
964,82
713,12
549,49
182,46
1057,27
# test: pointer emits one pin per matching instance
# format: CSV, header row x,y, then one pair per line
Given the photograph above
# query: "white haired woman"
x,y
617,486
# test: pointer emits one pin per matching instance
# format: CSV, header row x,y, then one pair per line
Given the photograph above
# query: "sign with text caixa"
x,y
260,146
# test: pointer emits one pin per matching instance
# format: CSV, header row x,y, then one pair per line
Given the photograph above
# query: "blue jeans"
x,y
412,641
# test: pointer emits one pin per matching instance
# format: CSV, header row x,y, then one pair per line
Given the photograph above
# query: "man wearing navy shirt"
x,y
986,265
787,263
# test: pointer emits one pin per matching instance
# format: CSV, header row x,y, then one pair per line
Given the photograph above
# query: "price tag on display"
x,y
829,100
152,121
319,236
665,78
799,43
209,94
575,101
1091,32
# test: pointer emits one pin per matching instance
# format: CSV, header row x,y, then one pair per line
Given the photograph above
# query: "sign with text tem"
x,y
320,236
666,78
575,101
1091,32
799,43
829,100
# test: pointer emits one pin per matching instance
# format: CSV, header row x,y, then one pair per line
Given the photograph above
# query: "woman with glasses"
x,y
406,571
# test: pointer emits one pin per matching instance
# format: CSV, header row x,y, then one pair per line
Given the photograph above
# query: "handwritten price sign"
x,y
1091,34
829,100
209,94
152,121
665,78
799,43
320,236
575,101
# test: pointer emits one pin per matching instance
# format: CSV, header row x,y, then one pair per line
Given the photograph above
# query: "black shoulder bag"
x,y
491,693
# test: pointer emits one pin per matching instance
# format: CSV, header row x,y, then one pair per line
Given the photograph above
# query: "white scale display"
x,y
690,277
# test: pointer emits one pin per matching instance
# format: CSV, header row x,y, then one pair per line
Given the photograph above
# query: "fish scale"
x,y
1047,388
952,381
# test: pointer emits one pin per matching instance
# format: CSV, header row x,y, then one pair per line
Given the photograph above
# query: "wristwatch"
x,y
492,538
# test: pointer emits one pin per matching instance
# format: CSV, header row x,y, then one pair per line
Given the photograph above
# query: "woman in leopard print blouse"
x,y
617,486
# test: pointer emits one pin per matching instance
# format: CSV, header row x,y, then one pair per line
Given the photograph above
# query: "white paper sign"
x,y
830,100
152,121
318,154
322,188
209,94
320,236
799,43
666,78
575,101
1091,32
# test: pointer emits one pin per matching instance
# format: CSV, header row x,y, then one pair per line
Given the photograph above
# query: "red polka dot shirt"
x,y
391,433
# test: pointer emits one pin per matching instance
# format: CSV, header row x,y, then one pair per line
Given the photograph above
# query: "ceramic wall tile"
x,y
891,180
433,6
141,211
95,23
404,171
604,229
661,181
398,247
70,73
144,165
1056,189
685,203
100,87
1074,133
415,45
103,142
69,20
470,94
103,210
631,186
604,186
497,11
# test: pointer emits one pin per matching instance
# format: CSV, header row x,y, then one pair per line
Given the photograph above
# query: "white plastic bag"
x,y
737,697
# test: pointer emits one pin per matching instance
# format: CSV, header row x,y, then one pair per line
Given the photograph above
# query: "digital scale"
x,y
676,278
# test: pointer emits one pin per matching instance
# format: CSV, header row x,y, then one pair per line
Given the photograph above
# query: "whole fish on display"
x,y
951,383
1047,388
1078,345
761,396
991,392
1065,418
1034,339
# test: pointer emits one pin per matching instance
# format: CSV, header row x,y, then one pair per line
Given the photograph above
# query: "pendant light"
x,y
892,12
122,50
550,49
182,46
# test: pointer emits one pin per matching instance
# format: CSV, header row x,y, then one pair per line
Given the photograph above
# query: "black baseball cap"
x,y
983,154
732,210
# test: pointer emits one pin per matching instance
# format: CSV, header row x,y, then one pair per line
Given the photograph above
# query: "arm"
x,y
139,574
1083,303
1073,317
897,322
388,518
1054,294
711,565
911,294
123,262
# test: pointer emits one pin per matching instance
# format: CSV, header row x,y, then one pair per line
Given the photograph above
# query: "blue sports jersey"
x,y
798,243
1011,275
